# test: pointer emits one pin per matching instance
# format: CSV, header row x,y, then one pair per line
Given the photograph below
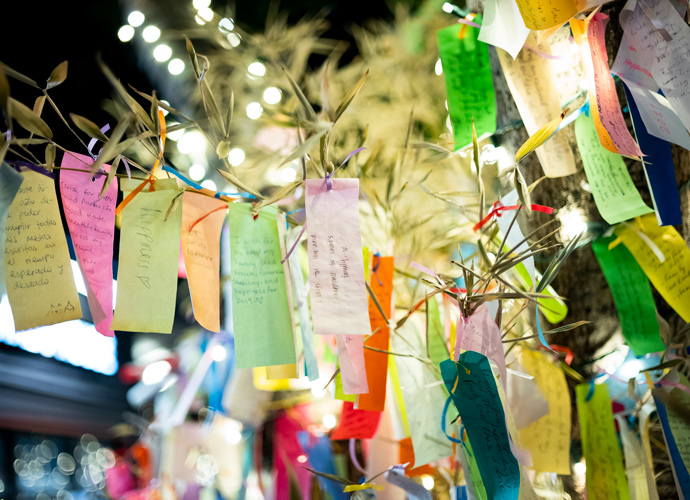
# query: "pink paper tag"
x,y
91,222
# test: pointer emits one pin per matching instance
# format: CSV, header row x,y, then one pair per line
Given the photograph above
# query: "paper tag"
x,y
475,395
300,296
632,296
356,424
613,190
542,15
659,170
503,27
641,481
91,222
548,439
423,405
261,315
469,85
605,472
38,273
667,277
10,180
149,252
533,87
376,363
202,222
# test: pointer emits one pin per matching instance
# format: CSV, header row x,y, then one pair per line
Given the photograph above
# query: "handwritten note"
x,y
548,439
376,363
533,86
613,190
605,472
336,273
10,180
480,333
91,222
542,15
671,277
475,395
260,311
202,221
658,168
632,296
641,481
670,406
469,85
356,424
423,396
38,273
300,298
149,253
633,65
503,26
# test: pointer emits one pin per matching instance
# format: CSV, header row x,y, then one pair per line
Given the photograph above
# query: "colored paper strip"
x,y
543,15
38,273
149,254
10,180
260,311
356,424
469,85
632,296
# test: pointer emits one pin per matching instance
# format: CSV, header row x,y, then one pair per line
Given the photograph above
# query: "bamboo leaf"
x,y
18,76
223,149
4,88
540,137
29,141
522,189
311,114
114,147
228,117
29,120
304,148
325,91
58,75
330,477
38,104
283,192
192,57
50,156
132,104
239,184
349,97
88,127
212,110
161,104
111,175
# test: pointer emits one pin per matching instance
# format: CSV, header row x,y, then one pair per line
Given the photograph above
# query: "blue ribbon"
x,y
199,187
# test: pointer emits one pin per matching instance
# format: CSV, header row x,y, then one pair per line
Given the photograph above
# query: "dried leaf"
x,y
228,117
18,76
311,114
330,477
29,120
50,156
113,147
133,105
38,104
239,184
28,141
478,167
223,149
212,110
4,88
88,127
303,149
58,75
349,97
539,137
192,57
111,175
522,189
283,192
325,91
161,104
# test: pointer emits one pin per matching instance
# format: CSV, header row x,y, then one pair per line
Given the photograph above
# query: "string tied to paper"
x,y
329,185
498,209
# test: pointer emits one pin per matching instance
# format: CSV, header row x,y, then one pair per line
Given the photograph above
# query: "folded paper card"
x,y
38,273
149,252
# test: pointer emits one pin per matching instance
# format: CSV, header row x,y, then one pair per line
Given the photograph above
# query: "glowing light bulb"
x,y
201,4
197,172
125,33
428,482
209,184
572,223
272,95
288,174
165,111
155,372
254,110
236,157
302,459
438,68
448,7
175,135
630,369
205,14
176,66
136,18
234,39
218,353
151,34
580,468
162,53
192,142
226,24
329,421
256,68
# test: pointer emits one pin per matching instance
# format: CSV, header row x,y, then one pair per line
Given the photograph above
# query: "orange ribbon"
x,y
498,210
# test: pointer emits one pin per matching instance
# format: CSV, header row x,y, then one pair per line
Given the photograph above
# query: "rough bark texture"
x,y
581,281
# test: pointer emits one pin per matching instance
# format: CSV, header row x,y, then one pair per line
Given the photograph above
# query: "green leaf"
x,y
58,75
311,114
111,175
18,76
522,189
349,97
29,120
88,127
